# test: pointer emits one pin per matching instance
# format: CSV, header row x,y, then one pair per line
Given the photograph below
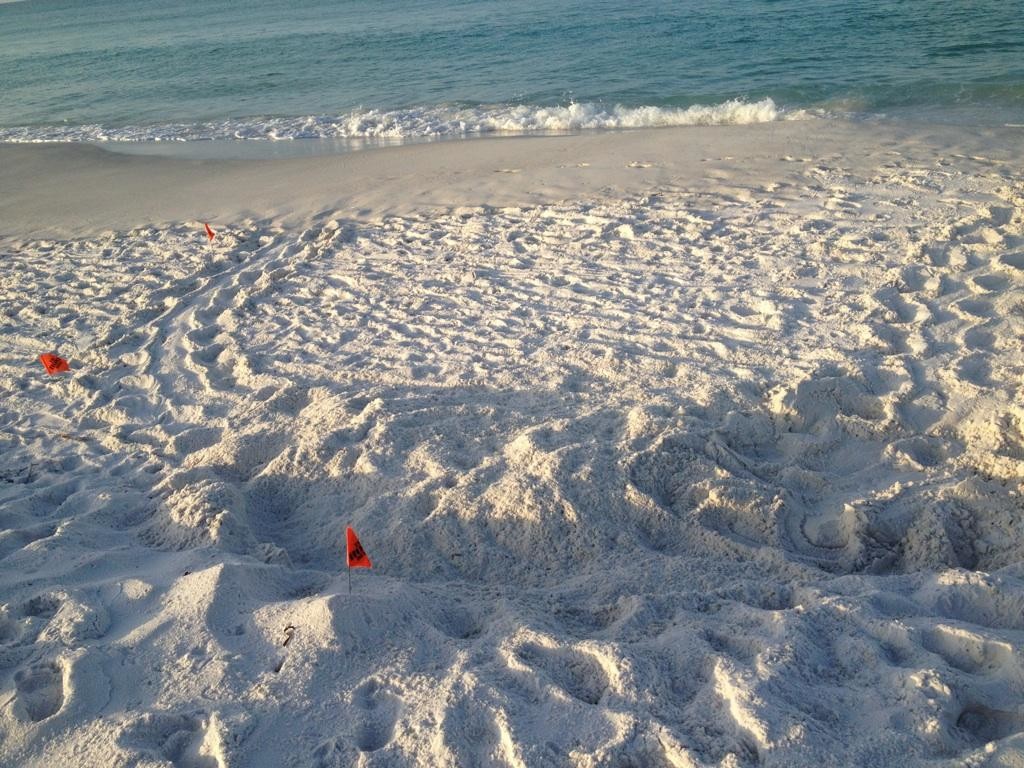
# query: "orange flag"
x,y
357,557
54,364
209,232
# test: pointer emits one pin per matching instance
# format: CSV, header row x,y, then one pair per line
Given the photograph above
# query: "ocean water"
x,y
412,69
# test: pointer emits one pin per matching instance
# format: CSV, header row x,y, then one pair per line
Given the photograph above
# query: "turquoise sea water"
x,y
195,69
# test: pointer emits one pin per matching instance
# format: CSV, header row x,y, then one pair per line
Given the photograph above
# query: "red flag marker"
x,y
54,364
355,555
210,234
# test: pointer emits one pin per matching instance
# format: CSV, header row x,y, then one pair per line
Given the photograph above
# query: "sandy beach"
x,y
685,447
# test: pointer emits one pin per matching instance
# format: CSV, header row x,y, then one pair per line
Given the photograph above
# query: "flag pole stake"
x,y
350,581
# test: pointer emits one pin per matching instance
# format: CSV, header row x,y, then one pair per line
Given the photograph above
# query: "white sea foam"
x,y
421,122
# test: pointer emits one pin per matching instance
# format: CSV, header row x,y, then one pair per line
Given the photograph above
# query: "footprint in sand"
x,y
473,732
991,282
181,739
980,724
377,713
976,369
979,338
974,308
196,439
460,623
578,674
967,650
39,691
41,606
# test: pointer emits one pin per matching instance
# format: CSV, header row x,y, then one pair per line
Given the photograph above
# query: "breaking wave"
x,y
424,122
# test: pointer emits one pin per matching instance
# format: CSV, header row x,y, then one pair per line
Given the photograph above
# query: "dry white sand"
x,y
671,448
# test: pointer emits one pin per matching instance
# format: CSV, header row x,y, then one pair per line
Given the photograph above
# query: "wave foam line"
x,y
426,122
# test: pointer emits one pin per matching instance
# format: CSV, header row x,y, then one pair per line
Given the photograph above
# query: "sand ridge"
x,y
722,472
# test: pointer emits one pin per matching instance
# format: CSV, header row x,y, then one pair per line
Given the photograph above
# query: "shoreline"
x,y
65,190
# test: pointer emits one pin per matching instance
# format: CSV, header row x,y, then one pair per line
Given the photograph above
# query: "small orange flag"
x,y
54,364
209,232
357,557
